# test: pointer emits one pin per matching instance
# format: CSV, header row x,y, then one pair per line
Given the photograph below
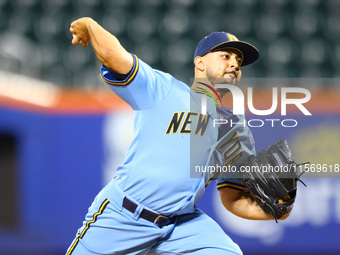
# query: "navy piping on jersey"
x,y
231,186
129,78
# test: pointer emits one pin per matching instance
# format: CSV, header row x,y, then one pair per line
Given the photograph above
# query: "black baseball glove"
x,y
271,176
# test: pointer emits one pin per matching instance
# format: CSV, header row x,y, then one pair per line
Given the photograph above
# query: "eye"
x,y
226,56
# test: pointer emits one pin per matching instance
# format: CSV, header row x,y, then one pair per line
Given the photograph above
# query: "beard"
x,y
213,80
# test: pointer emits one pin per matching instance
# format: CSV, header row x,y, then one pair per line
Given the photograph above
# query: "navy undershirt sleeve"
x,y
118,76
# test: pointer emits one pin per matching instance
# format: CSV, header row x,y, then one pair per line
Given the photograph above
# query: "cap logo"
x,y
232,37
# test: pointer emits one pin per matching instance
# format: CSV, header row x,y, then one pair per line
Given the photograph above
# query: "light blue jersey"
x,y
171,138
235,145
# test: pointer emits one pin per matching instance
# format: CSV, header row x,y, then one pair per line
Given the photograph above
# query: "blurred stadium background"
x,y
62,131
295,38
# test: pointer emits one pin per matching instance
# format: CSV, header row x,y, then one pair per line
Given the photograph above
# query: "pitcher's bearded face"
x,y
224,66
226,78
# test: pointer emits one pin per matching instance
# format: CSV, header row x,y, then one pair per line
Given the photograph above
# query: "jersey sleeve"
x,y
143,88
232,183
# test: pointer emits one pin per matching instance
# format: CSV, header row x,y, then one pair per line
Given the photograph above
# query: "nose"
x,y
234,62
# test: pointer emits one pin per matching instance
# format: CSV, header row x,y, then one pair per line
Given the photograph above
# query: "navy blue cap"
x,y
222,40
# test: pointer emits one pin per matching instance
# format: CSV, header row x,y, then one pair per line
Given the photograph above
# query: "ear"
x,y
199,63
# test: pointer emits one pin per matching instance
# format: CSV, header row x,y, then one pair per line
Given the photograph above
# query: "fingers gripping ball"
x,y
271,178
